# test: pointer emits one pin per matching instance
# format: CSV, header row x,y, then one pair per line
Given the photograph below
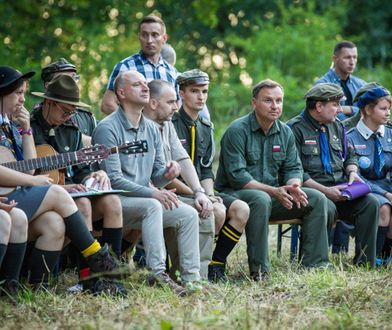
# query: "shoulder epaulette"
x,y
291,122
85,111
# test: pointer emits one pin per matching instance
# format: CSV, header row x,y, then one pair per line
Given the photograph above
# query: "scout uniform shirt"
x,y
306,131
204,149
248,154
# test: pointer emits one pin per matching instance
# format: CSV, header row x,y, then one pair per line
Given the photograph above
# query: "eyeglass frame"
x,y
66,114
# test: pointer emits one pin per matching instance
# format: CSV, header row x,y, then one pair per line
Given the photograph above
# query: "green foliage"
x,y
237,42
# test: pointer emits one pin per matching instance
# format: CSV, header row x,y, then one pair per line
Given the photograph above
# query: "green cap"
x,y
324,92
194,77
364,89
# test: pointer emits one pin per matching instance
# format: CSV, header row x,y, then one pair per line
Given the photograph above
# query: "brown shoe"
x,y
164,279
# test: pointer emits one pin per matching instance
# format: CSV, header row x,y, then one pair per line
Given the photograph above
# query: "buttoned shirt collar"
x,y
254,125
366,132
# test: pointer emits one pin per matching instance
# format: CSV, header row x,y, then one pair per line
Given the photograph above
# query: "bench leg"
x,y
294,242
280,235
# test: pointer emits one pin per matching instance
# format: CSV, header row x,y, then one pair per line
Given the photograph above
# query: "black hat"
x,y
60,65
10,79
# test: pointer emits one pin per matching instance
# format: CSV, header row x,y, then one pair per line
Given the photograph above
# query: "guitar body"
x,y
57,176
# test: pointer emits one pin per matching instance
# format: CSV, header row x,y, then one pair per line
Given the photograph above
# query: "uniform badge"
x,y
315,151
183,141
311,142
360,146
276,148
66,148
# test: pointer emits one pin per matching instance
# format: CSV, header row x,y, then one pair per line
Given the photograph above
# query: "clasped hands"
x,y
289,195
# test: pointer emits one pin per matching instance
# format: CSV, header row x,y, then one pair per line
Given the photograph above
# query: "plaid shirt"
x,y
139,62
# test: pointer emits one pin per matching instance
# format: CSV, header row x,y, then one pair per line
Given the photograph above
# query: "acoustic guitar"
x,y
50,161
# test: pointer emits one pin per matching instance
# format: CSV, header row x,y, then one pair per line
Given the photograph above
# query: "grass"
x,y
344,297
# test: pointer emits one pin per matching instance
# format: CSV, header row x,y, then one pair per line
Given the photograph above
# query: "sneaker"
x,y
217,273
106,287
104,264
259,276
164,279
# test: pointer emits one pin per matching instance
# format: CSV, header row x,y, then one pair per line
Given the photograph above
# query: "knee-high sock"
x,y
113,237
387,249
12,261
227,240
41,265
3,250
77,231
381,234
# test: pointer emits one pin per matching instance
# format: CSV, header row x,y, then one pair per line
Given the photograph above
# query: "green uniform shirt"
x,y
248,154
63,138
306,132
204,148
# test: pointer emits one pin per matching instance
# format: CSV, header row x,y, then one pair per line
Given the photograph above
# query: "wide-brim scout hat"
x,y
63,89
193,77
10,79
61,65
324,92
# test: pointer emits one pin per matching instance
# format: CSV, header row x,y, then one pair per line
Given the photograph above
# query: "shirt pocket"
x,y
253,157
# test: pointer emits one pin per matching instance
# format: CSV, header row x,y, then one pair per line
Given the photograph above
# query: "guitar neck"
x,y
46,163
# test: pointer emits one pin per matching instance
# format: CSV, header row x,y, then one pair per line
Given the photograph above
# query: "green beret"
x,y
324,92
195,76
364,89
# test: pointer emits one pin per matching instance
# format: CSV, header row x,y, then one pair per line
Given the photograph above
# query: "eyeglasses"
x,y
66,114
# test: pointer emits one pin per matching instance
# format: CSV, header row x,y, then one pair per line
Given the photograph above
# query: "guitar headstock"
x,y
94,153
134,147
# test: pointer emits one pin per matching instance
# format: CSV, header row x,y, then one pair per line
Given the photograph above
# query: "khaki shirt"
x,y
172,147
248,154
306,131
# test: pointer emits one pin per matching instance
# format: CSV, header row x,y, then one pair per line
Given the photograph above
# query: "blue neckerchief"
x,y
379,157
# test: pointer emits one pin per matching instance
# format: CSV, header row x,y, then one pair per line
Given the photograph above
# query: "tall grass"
x,y
343,297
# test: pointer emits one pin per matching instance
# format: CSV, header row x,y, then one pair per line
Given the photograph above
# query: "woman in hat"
x,y
49,220
371,139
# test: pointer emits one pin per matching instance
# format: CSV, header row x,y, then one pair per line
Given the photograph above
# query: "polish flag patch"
x,y
360,146
312,142
276,148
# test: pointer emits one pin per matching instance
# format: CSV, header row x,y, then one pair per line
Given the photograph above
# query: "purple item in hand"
x,y
355,190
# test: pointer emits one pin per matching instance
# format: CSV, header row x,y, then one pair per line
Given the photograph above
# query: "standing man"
x,y
147,207
260,165
345,57
328,161
83,119
160,109
148,61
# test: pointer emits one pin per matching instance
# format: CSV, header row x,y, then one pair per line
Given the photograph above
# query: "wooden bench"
x,y
293,226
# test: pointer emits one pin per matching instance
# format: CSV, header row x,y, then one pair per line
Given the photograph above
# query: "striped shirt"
x,y
139,62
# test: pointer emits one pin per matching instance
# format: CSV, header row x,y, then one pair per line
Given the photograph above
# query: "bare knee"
x,y
385,215
19,226
111,211
238,214
219,215
5,227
